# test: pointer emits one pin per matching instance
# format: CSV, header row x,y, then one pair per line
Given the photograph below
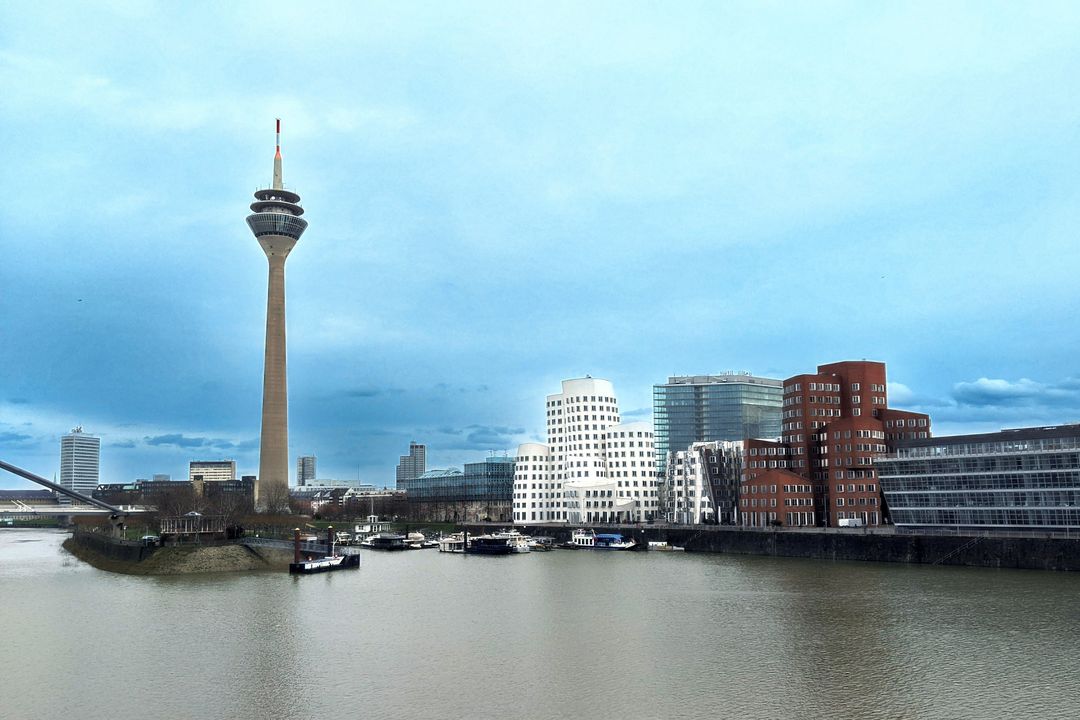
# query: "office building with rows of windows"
x,y
80,461
593,468
1025,479
482,492
705,408
822,472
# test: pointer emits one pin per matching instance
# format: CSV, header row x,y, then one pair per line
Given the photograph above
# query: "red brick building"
x,y
822,470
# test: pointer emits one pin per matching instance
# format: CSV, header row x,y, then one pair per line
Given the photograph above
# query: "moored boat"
x,y
454,543
384,541
488,545
324,564
584,539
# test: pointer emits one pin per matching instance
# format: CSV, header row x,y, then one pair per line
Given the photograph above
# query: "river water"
x,y
547,635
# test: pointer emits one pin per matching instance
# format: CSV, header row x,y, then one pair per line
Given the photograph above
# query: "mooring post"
x,y
296,545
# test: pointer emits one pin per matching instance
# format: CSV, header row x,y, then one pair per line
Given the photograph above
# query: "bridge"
x,y
116,515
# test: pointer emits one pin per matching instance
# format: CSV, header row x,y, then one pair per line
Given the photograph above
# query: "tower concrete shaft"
x,y
277,226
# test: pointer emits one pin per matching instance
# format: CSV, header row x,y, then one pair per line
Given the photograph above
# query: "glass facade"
x,y
277,224
1015,479
488,481
707,408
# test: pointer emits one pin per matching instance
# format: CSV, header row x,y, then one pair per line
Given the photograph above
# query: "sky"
x,y
503,195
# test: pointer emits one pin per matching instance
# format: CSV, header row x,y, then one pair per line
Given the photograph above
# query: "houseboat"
x,y
452,543
489,545
384,541
591,540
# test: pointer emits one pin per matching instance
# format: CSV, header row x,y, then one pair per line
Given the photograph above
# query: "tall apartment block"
x,y
705,408
212,470
593,468
411,466
80,463
835,421
305,470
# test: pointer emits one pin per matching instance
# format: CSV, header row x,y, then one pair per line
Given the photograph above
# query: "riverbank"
x,y
1022,553
135,559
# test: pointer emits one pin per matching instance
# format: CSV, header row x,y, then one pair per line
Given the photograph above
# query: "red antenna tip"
x,y
278,124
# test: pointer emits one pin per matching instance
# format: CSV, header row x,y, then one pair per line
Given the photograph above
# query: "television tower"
x,y
277,226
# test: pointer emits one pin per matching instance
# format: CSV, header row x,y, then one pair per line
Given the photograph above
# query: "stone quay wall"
x,y
1026,553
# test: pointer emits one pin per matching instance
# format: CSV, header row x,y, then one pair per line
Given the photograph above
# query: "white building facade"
x,y
80,462
593,469
212,470
700,484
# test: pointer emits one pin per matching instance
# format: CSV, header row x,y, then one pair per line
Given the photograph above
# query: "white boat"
x,y
518,543
452,543
663,546
591,540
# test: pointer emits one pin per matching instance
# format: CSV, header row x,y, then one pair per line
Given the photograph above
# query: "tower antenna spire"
x,y
277,157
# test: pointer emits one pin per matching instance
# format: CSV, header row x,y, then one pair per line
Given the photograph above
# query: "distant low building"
x,y
1023,479
482,491
212,470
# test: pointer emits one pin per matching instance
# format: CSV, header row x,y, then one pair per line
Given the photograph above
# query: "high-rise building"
x,y
822,472
1023,479
80,462
305,470
593,468
411,466
277,225
212,470
705,408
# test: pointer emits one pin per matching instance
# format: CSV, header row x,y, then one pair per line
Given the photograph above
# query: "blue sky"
x,y
503,195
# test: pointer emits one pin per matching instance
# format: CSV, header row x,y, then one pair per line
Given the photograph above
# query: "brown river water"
x,y
563,634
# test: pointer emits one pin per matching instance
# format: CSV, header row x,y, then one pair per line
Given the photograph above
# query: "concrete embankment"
x,y
1028,553
135,559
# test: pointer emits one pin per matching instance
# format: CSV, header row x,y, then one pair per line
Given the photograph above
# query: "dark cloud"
x,y
122,444
13,438
492,436
18,401
370,392
640,412
177,439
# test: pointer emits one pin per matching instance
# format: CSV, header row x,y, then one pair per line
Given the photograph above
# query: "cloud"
x,y
123,444
371,392
639,412
18,401
492,437
177,439
996,392
13,438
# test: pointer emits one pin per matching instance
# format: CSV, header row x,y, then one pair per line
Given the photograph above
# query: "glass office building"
x,y
1026,479
489,481
707,408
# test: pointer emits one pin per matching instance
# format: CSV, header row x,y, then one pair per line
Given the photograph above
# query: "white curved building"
x,y
593,468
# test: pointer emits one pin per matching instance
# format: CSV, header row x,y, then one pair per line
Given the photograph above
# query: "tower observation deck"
x,y
277,225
